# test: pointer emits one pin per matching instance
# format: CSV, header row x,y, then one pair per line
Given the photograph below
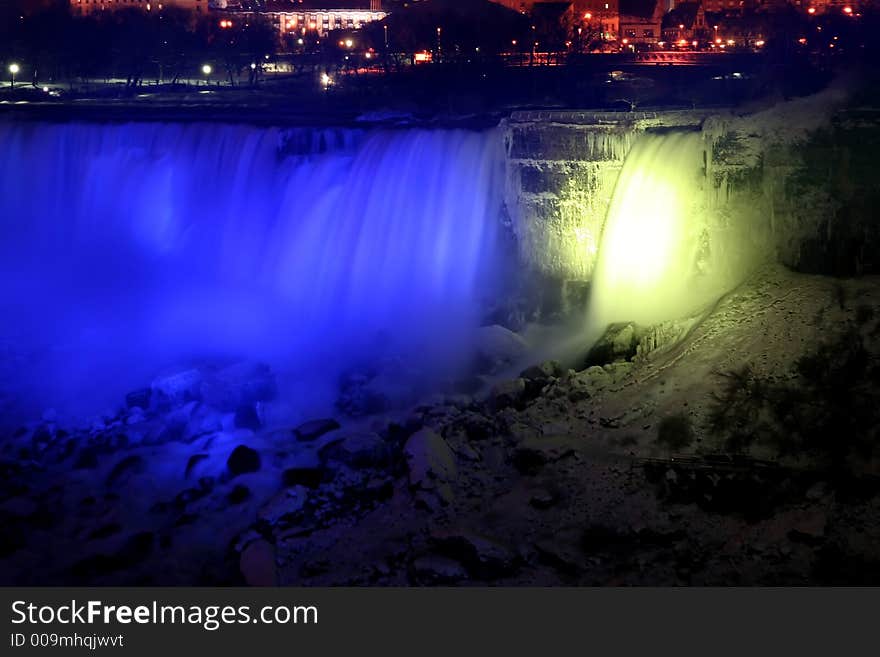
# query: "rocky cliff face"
x,y
792,184
561,171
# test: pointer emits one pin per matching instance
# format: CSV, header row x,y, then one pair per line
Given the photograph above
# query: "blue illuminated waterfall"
x,y
131,247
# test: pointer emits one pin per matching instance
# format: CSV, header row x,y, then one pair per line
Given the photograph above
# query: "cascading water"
x,y
647,269
129,248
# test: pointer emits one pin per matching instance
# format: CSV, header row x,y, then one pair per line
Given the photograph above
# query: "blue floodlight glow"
x,y
131,248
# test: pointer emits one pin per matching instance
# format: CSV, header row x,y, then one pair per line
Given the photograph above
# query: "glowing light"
x,y
225,24
326,80
847,10
717,40
588,15
349,43
759,43
730,42
802,41
299,41
14,69
45,90
649,243
206,69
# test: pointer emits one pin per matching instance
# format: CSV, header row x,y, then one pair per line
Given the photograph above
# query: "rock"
x,y
124,468
549,369
436,569
358,399
498,347
483,557
430,460
139,398
310,477
243,459
193,461
508,394
285,503
136,416
257,564
619,342
476,426
359,450
238,494
246,417
177,388
239,384
533,453
314,429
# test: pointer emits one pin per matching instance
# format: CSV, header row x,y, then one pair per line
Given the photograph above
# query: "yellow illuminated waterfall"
x,y
647,254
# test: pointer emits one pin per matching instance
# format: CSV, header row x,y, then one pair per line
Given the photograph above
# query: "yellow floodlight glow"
x,y
648,247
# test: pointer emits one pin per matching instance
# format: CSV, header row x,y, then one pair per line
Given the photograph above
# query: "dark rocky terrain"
x,y
622,472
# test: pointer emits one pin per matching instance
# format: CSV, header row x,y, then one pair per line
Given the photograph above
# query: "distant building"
x,y
309,18
91,6
602,15
641,22
686,24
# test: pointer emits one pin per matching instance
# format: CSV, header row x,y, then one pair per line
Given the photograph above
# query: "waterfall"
x,y
128,248
648,267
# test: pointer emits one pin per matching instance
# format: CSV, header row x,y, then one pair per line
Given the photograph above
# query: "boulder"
x,y
176,388
285,503
544,372
139,398
619,343
359,450
429,459
243,459
247,417
498,347
244,383
483,557
314,429
508,393
310,477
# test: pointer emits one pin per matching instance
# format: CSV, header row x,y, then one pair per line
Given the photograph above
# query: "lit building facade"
x,y
602,15
642,23
311,18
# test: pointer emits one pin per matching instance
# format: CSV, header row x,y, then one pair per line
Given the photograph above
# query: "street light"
x,y
13,69
206,69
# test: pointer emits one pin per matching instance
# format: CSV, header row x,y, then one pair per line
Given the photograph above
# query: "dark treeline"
x,y
55,45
